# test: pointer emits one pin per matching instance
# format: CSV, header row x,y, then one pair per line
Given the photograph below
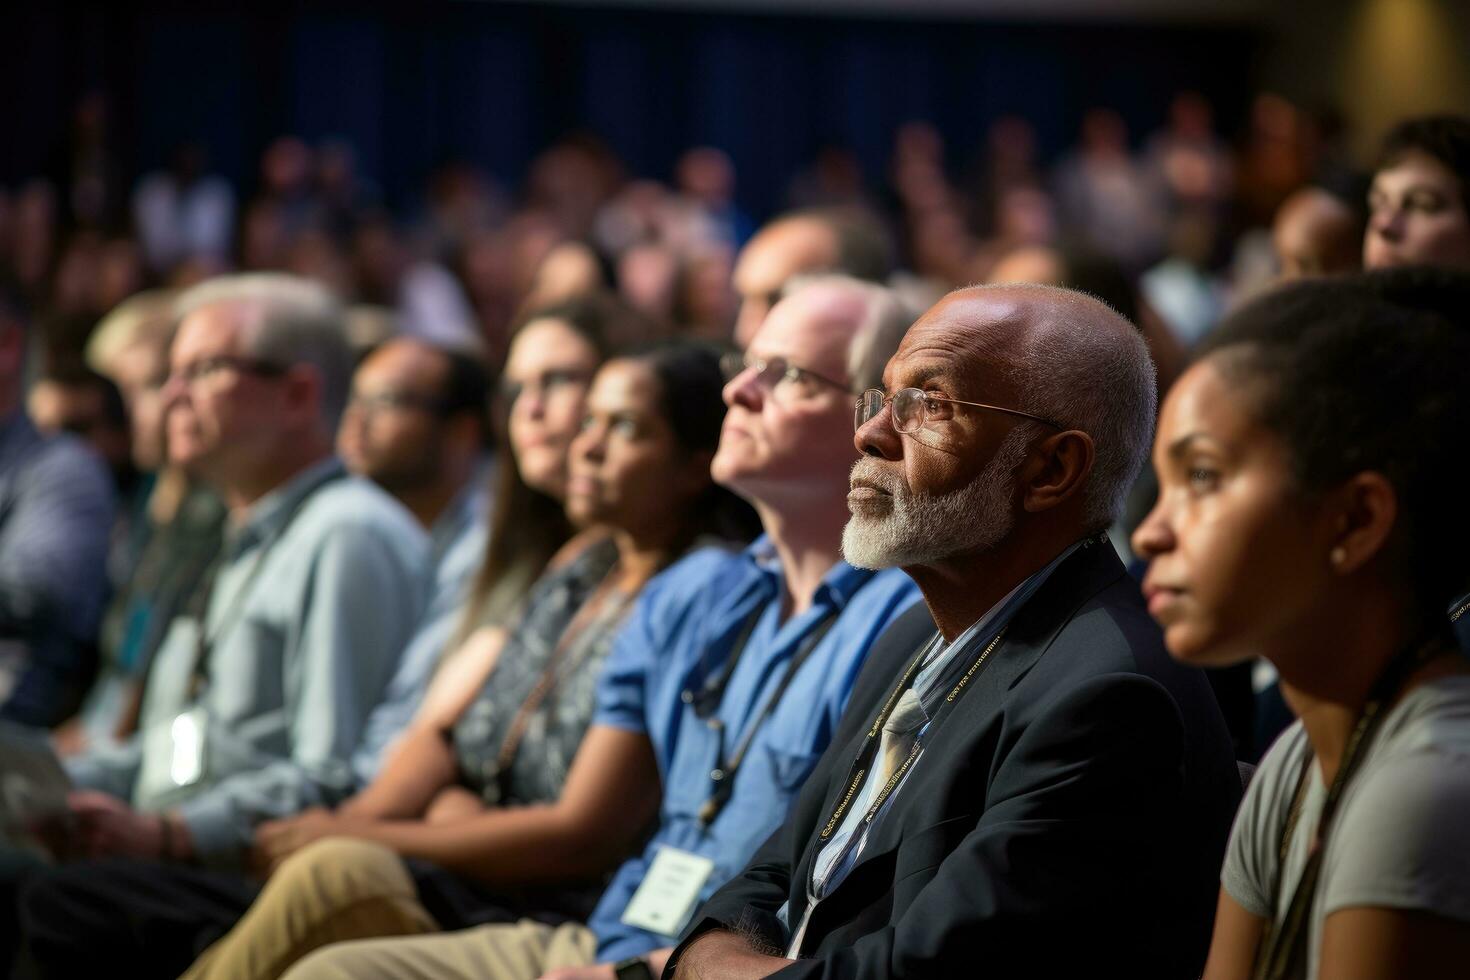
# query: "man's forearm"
x,y
724,955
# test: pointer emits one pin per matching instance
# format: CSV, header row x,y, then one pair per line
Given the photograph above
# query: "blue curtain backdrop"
x,y
413,84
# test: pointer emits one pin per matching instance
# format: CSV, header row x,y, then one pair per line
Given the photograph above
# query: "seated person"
x,y
416,425
56,511
737,663
1309,514
169,540
1035,789
253,709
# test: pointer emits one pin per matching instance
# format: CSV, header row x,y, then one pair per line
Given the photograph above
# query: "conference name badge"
x,y
173,754
670,890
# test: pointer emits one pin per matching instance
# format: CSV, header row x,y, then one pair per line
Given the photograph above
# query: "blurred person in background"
x,y
838,240
415,424
1190,165
256,700
492,807
706,180
76,399
184,212
1318,231
57,504
1309,514
1419,203
163,545
1103,196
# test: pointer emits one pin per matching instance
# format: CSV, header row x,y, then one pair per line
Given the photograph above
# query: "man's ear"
x,y
303,390
1056,470
1364,511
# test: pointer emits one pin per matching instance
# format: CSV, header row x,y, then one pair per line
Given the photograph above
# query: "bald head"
x,y
830,240
1060,355
1317,233
783,249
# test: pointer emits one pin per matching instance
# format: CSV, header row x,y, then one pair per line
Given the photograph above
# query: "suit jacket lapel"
x,y
1090,569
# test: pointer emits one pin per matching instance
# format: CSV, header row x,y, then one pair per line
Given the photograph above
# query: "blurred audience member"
x,y
163,546
1190,164
184,212
416,425
78,400
266,685
56,510
1419,205
429,300
1273,160
841,240
1103,194
1318,233
705,177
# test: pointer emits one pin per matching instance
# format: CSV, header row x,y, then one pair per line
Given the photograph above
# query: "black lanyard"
x,y
859,769
205,642
723,775
1282,953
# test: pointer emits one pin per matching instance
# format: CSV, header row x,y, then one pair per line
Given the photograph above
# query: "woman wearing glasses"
x,y
1311,512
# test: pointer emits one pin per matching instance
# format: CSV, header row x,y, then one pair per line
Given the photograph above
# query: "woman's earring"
x,y
1338,556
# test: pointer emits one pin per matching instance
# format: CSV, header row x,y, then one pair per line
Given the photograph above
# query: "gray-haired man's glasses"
x,y
776,374
912,408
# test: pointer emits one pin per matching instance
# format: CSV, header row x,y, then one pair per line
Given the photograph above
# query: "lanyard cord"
x,y
871,740
607,603
1282,954
204,645
723,776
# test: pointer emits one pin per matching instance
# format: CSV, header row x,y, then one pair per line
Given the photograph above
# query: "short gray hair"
x,y
876,336
301,323
1086,367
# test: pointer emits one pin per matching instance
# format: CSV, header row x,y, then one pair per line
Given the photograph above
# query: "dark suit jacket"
x,y
1068,816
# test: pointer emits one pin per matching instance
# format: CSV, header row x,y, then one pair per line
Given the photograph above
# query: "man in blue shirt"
x,y
721,691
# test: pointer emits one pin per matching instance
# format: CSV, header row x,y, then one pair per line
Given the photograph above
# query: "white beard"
x,y
921,529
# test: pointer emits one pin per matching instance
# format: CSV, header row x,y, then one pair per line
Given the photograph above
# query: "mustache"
x,y
867,471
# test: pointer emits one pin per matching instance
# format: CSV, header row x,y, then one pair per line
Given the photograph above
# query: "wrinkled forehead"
x,y
219,328
966,342
811,330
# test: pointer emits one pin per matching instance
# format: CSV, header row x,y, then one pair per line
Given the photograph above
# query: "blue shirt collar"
x,y
837,587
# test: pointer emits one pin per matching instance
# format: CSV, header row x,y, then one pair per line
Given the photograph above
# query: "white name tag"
x,y
173,754
665,900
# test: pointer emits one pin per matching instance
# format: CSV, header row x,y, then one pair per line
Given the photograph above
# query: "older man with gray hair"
x,y
1024,782
256,701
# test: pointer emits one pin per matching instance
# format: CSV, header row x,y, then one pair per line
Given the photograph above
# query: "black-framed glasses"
x,y
775,373
912,408
209,366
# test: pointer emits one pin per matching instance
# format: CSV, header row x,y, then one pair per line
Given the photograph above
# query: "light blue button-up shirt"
x,y
677,639
459,540
319,590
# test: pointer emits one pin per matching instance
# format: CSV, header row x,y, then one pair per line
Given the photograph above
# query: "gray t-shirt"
x,y
1401,838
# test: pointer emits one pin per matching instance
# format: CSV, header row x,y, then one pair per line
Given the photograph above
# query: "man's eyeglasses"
x,y
207,367
912,408
776,374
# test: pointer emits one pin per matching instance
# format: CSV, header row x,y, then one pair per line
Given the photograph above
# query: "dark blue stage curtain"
x,y
418,82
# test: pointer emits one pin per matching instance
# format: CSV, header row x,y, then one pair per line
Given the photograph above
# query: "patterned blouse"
x,y
542,654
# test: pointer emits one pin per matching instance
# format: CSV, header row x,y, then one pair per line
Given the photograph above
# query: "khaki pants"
x,y
328,892
522,951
